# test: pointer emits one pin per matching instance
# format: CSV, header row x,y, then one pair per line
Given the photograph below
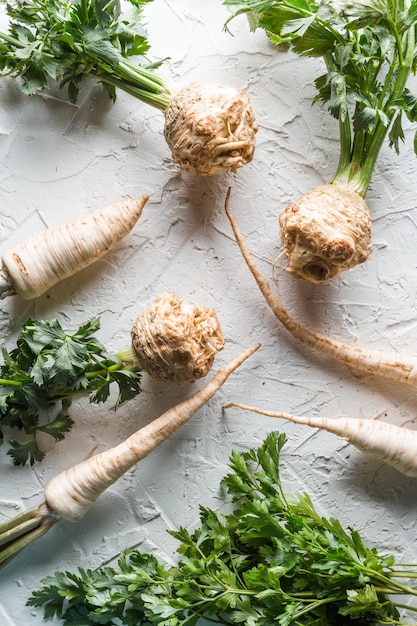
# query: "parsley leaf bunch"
x,y
70,41
48,368
369,50
273,560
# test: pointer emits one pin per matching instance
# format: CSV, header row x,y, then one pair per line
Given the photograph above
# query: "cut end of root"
x,y
176,341
6,288
210,128
24,529
326,232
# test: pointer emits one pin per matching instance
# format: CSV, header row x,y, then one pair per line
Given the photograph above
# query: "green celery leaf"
x,y
57,427
23,452
50,366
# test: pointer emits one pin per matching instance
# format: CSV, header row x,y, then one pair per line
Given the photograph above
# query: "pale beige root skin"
x,y
210,128
400,368
326,232
71,494
176,341
39,263
391,444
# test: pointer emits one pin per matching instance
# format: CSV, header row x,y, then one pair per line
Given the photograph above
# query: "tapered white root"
x,y
392,444
176,341
326,232
210,128
376,362
37,264
71,494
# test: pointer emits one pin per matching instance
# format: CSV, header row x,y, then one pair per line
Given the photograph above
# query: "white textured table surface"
x,y
59,161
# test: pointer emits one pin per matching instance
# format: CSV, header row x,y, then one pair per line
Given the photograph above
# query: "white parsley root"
x,y
34,266
326,232
70,494
391,444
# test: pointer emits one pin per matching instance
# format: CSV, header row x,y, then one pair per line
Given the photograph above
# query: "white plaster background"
x,y
59,161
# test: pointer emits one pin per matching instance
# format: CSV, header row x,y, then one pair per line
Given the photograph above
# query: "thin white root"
x,y
392,444
376,362
71,493
37,264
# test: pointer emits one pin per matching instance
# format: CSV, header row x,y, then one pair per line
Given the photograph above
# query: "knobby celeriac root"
x,y
210,128
176,341
326,232
391,444
382,363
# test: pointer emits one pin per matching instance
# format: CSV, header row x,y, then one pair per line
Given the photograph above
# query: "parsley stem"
x,y
23,529
139,82
91,374
10,383
159,101
372,147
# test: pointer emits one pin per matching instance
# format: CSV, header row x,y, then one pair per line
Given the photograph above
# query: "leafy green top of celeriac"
x,y
273,560
369,49
69,41
48,368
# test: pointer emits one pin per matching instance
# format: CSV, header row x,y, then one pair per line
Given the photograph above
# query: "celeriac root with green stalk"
x,y
209,127
368,50
34,266
391,444
171,340
70,494
400,368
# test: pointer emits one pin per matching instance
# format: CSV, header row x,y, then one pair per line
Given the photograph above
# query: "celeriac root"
x,y
392,444
326,232
210,128
176,341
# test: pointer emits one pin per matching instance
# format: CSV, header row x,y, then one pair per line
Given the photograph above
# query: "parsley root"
x,y
376,362
70,494
209,127
392,444
36,265
172,340
369,54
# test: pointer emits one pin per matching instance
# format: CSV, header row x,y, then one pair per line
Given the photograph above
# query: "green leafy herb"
x,y
70,41
48,368
369,50
273,560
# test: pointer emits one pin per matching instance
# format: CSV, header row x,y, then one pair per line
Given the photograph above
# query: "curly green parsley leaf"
x,y
47,369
